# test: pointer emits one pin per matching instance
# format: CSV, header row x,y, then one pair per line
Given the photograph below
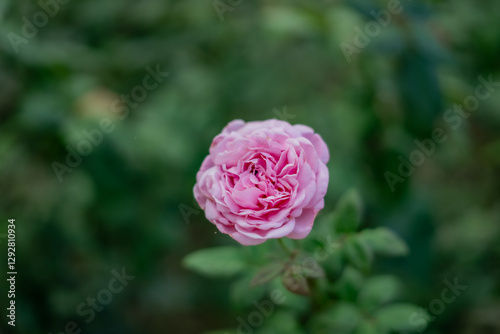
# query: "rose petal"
x,y
303,224
245,240
279,232
248,198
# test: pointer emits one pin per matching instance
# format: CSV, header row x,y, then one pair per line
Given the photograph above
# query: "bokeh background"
x,y
129,202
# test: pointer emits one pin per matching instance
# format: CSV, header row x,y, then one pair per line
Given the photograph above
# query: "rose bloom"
x,y
263,180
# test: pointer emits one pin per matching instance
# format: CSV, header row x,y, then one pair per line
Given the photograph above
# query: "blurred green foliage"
x,y
129,202
343,298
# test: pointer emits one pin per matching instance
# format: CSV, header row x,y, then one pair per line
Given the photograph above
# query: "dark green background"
x,y
120,206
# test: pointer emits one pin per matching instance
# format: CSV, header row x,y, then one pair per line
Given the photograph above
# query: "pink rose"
x,y
263,180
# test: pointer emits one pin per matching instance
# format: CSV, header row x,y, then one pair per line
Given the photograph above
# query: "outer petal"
x,y
245,240
200,198
211,211
303,224
233,126
320,145
279,232
322,180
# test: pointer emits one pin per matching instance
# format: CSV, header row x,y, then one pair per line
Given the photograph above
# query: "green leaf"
x,y
219,261
348,212
281,322
322,229
384,241
358,252
368,327
326,247
349,284
402,317
243,295
378,290
260,255
342,318
268,273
